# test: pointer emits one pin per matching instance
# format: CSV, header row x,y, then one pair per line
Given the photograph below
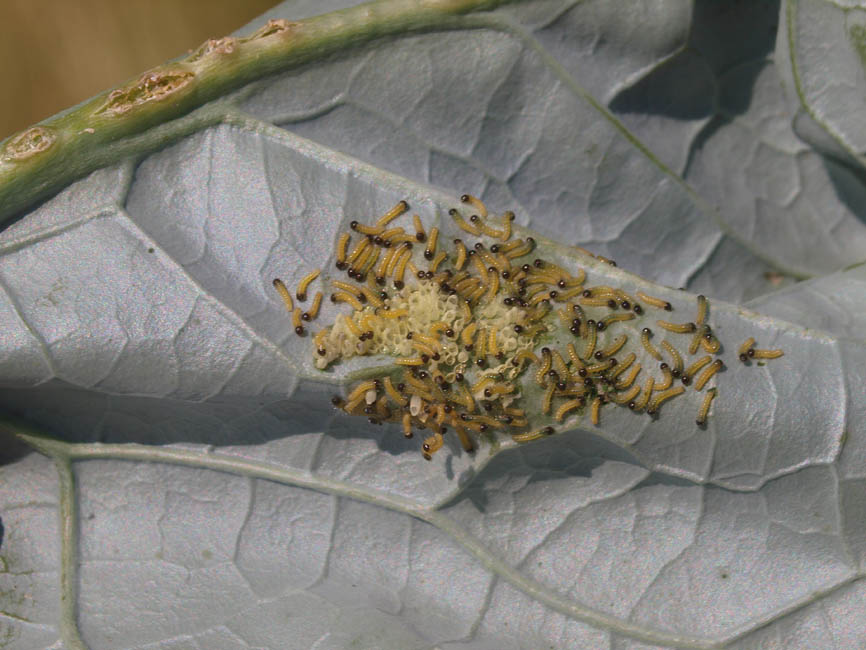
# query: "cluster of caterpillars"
x,y
466,325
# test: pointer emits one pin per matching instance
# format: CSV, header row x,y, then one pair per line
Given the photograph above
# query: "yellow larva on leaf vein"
x,y
705,407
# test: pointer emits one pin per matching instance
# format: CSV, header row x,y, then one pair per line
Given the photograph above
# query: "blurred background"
x,y
57,53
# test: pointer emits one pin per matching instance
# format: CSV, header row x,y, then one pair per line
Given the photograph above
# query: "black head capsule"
x,y
669,306
518,329
478,245
423,374
305,316
380,280
398,284
548,431
561,284
599,354
353,225
458,376
474,218
744,357
632,405
686,380
342,266
428,254
299,330
449,333
625,304
575,330
538,263
336,400
452,212
494,248
599,325
386,244
561,385
612,303
420,237
505,274
322,352
378,240
647,331
637,309
481,363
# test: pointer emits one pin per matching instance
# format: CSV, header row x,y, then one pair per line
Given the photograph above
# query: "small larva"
x,y
393,313
407,425
668,378
601,366
675,357
342,247
615,318
475,203
345,296
297,323
313,311
468,333
532,435
628,380
655,302
626,397
463,436
431,445
622,366
705,407
392,214
641,403
524,355
711,344
393,393
559,365
702,310
663,397
570,405
548,398
492,343
361,389
400,268
420,234
372,298
706,374
507,218
441,256
301,293
520,251
364,229
284,294
432,241
594,411
695,368
462,223
590,340
677,328
544,367
745,351
766,354
645,334
405,252
360,247
696,339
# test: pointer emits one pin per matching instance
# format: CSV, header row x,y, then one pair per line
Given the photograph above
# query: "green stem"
x,y
45,158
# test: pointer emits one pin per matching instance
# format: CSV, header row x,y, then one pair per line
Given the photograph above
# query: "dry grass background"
x,y
57,53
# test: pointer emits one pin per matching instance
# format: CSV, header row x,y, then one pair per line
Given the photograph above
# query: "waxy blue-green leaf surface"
x,y
196,490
